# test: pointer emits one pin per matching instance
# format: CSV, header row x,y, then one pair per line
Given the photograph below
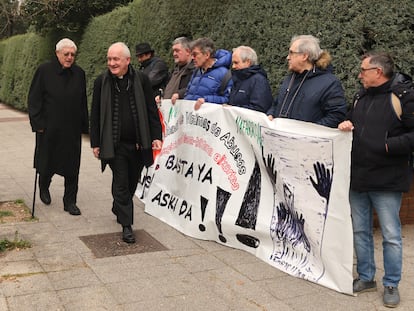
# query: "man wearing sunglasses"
x,y
59,115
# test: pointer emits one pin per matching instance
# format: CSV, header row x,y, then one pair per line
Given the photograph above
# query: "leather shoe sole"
x,y
45,196
72,209
128,234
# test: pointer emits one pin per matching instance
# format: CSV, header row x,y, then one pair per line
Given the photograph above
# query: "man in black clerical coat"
x,y
58,114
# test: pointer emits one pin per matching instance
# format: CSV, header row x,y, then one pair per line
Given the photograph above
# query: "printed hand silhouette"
x,y
324,180
270,167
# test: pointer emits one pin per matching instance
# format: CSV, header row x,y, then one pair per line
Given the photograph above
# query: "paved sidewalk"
x,y
61,273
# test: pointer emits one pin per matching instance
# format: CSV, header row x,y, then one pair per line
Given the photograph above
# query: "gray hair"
x,y
308,44
184,41
205,45
65,43
382,60
247,53
125,49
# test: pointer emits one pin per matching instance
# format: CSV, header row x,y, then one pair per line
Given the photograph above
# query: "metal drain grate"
x,y
111,244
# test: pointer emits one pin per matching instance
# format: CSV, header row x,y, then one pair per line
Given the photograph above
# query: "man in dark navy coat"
x,y
59,115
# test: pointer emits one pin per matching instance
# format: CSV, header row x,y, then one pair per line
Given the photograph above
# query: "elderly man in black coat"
x,y
125,128
59,115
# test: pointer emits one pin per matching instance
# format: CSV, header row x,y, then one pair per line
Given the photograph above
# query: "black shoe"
x,y
128,234
360,286
45,196
72,209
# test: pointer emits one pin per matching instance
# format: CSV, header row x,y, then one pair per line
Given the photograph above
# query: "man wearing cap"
x,y
153,66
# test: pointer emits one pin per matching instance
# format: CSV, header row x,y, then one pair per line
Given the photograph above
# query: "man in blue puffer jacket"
x,y
311,92
211,68
251,89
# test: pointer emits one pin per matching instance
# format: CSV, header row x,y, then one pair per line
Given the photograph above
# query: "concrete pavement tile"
x,y
51,249
10,189
100,210
286,287
210,246
73,224
259,271
135,291
199,302
149,222
181,303
61,261
324,302
87,298
80,248
24,285
237,290
72,278
235,257
8,231
178,253
159,304
170,238
102,224
3,304
143,260
199,263
237,285
99,198
41,233
36,302
92,262
116,272
185,284
18,255
408,268
20,267
159,271
252,305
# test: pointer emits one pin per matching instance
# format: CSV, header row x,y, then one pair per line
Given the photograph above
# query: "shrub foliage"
x,y
346,28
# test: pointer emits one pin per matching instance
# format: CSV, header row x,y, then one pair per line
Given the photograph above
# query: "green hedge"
x,y
19,57
346,29
95,42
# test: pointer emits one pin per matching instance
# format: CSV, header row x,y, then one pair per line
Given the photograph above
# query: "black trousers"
x,y
71,186
126,170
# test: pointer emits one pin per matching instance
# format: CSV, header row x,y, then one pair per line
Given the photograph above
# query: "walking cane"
x,y
36,173
34,193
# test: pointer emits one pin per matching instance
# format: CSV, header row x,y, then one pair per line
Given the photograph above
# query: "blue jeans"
x,y
387,205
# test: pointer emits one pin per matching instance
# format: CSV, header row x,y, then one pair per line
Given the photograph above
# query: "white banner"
x,y
278,190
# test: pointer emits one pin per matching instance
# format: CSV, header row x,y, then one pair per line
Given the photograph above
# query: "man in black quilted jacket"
x,y
382,121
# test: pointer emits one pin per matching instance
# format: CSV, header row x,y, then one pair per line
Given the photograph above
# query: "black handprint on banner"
x,y
323,187
270,168
324,180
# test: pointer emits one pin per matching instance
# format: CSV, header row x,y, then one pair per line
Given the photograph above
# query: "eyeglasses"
x,y
293,52
69,54
362,70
